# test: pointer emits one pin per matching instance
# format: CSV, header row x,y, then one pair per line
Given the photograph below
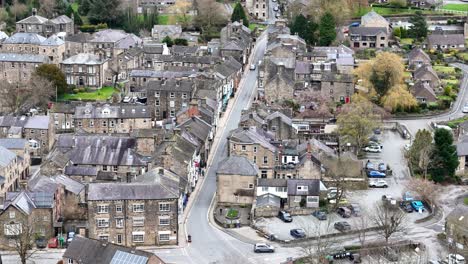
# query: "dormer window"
x,y
105,111
87,111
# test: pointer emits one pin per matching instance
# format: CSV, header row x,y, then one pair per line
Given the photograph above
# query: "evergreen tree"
x,y
305,28
84,7
77,19
69,11
53,74
238,14
60,7
327,29
180,42
418,29
168,41
104,11
444,161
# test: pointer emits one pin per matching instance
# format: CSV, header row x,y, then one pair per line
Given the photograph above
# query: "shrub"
x,y
447,90
76,90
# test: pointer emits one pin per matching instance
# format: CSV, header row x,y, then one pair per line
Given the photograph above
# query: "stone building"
x,y
417,58
258,9
236,42
26,212
133,214
167,97
278,84
280,125
17,68
121,118
236,178
9,179
44,26
63,116
20,147
254,143
108,43
159,32
85,69
339,87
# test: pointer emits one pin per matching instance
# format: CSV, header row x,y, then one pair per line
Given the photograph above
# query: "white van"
x,y
455,259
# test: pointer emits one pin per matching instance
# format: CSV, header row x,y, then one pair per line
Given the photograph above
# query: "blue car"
x,y
375,174
417,205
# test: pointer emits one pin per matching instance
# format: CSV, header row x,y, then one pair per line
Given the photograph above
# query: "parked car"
x,y
126,99
263,248
407,196
342,226
321,215
71,235
455,259
285,216
333,192
344,212
382,167
275,8
377,131
41,242
406,207
252,67
465,108
418,205
378,184
297,233
373,149
53,243
355,209
388,199
370,165
375,174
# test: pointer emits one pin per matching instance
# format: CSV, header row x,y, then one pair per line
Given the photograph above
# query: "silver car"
x,y
263,248
465,108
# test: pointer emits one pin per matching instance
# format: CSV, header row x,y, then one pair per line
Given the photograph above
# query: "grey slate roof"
x,y
63,19
6,157
130,41
313,186
25,38
182,50
414,53
367,31
38,122
129,191
108,36
263,182
268,200
90,251
462,146
33,20
170,85
13,143
162,74
371,17
20,57
302,67
69,184
251,135
421,71
333,77
446,39
197,127
53,41
424,90
84,58
237,165
122,111
278,114
81,170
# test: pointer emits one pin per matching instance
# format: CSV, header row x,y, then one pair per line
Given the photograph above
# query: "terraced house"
x,y
85,70
46,27
134,214
107,118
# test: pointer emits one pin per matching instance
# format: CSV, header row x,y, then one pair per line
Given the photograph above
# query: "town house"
x,y
85,70
167,97
17,68
133,214
20,147
46,27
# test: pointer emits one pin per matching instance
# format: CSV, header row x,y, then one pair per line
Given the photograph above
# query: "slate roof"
x,y
182,50
367,31
13,121
170,85
3,35
7,157
21,201
462,146
63,19
162,74
417,52
263,182
334,77
108,36
53,41
13,143
172,31
167,179
79,37
25,38
227,68
423,90
324,51
38,122
21,57
81,170
251,135
313,186
421,71
446,39
278,114
129,191
268,200
302,67
237,165
33,20
90,251
84,58
130,41
40,183
69,184
371,17
122,111
197,127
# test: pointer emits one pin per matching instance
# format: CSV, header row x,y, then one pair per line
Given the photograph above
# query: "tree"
x,y
305,28
46,8
22,234
341,10
60,7
327,29
40,92
168,41
388,219
422,139
182,8
69,11
357,121
418,29
104,11
398,97
397,3
315,251
426,189
210,18
84,7
54,75
444,157
180,42
238,14
425,159
77,19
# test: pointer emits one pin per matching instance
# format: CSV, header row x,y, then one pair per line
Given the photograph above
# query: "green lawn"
x,y
455,122
406,41
252,26
465,200
385,11
456,7
232,213
407,75
99,95
452,82
444,69
463,56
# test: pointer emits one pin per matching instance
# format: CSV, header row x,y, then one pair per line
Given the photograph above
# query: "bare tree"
x,y
47,8
425,159
315,251
22,234
18,9
211,16
388,219
182,8
426,189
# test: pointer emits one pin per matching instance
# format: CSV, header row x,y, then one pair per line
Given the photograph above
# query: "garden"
x,y
86,94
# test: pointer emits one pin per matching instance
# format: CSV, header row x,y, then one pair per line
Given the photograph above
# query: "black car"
x,y
344,212
285,216
406,207
321,215
342,226
41,242
297,233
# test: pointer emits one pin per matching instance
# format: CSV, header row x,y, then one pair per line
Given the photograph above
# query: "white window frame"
x,y
138,221
119,222
103,208
142,236
164,220
102,222
138,208
164,235
164,207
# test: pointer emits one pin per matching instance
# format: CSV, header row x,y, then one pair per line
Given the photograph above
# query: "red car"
x,y
53,243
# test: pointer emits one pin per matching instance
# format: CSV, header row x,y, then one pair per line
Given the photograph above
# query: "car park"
x,y
342,226
418,206
370,165
320,215
263,248
343,212
297,233
373,149
333,192
382,167
378,184
406,207
285,216
375,174
355,209
388,199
